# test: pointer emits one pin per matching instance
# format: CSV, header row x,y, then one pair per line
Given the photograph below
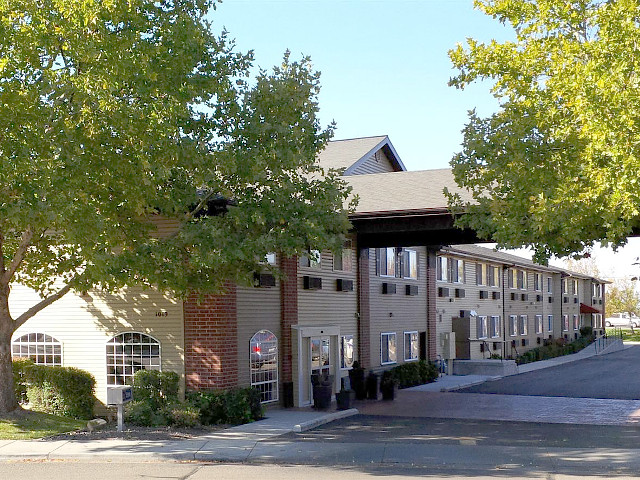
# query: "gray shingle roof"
x,y
346,153
404,191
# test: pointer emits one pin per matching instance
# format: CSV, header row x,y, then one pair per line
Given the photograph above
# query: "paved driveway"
x,y
612,376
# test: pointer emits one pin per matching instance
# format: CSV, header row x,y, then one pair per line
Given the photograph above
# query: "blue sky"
x,y
384,64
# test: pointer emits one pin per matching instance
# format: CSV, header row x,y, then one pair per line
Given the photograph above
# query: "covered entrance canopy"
x,y
588,309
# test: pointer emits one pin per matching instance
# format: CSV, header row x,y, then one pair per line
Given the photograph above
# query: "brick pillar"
x,y
432,313
364,309
288,313
211,340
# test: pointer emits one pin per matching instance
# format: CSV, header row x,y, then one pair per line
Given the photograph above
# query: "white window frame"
x,y
313,259
442,268
390,261
410,264
42,348
482,326
576,322
343,261
494,329
494,279
414,350
575,286
388,338
513,325
539,324
550,285
550,322
523,327
126,361
565,322
265,380
346,364
537,281
482,274
456,270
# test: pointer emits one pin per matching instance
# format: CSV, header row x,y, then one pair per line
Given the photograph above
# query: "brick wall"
x,y
364,308
432,295
210,340
289,313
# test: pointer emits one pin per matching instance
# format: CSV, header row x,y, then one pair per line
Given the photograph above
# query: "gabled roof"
x,y
414,191
489,254
348,154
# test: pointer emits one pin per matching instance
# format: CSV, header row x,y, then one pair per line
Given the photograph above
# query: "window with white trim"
x,y
522,280
576,322
386,261
539,324
441,269
495,326
549,284
513,325
456,271
482,326
565,323
481,273
411,346
409,263
43,349
129,352
550,323
524,327
347,349
263,365
388,348
574,288
565,285
537,282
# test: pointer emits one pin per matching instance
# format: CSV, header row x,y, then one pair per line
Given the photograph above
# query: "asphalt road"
x,y
612,376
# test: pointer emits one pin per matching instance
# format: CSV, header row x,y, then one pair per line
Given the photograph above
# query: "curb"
x,y
316,422
460,387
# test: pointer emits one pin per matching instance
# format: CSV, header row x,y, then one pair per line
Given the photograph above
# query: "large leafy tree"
x,y
117,116
622,297
557,167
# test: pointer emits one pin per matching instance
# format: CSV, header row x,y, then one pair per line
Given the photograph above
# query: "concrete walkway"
x,y
257,441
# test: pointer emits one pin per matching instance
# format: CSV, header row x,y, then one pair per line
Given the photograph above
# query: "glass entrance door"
x,y
320,356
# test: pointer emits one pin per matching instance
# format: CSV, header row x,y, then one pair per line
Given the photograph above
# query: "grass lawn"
x,y
25,424
626,334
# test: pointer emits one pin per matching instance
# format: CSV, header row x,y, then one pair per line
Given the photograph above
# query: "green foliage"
x,y
28,424
555,349
556,167
65,391
234,406
411,374
19,385
622,297
156,388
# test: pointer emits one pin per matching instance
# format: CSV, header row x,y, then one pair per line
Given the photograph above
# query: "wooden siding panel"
x,y
376,163
84,324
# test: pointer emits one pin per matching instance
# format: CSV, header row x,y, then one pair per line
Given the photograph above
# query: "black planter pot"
x,y
322,396
343,399
388,390
356,377
372,386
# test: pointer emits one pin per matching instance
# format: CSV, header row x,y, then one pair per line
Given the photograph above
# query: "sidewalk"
x,y
250,442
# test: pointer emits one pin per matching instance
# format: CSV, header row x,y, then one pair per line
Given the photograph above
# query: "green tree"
x,y
622,297
114,115
557,166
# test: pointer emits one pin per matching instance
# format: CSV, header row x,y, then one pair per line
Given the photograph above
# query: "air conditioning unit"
x,y
575,300
411,290
514,296
538,340
565,299
311,283
459,293
343,285
443,292
525,342
448,344
496,345
524,297
495,295
264,280
538,298
388,288
484,294
550,299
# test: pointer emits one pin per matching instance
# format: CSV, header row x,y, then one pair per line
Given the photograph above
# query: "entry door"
x,y
320,355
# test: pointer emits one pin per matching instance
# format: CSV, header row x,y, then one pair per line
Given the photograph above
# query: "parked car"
x,y
622,320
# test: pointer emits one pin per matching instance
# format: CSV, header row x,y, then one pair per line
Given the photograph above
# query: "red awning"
x,y
587,309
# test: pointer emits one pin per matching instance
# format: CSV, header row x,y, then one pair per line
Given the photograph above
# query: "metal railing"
x,y
609,338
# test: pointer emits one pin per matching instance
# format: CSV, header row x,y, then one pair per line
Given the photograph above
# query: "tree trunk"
x,y
8,401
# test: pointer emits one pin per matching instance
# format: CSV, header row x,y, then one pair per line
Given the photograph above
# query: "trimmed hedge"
x,y
156,388
556,349
415,373
19,385
235,406
65,391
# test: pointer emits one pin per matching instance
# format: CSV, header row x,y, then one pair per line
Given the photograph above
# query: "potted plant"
x,y
372,386
356,377
388,385
343,399
322,390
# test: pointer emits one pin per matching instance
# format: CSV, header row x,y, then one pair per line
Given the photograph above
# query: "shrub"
x,y
19,385
65,391
415,373
235,406
141,413
181,414
156,388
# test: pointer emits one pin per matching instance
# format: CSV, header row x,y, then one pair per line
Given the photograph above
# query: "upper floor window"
x,y
409,263
344,259
495,326
517,278
481,273
537,282
386,261
397,262
441,269
565,285
43,349
450,270
312,259
270,258
524,327
574,289
539,324
549,284
493,276
129,352
483,327
513,325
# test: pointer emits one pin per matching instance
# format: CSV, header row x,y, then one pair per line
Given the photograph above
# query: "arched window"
x,y
263,350
43,349
129,352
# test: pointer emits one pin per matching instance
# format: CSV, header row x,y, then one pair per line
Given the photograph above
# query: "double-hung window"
x,y
565,323
312,259
483,327
456,270
539,324
493,276
411,346
388,348
387,262
494,327
537,282
410,263
513,325
524,327
549,285
347,349
576,322
441,269
343,260
550,323
481,274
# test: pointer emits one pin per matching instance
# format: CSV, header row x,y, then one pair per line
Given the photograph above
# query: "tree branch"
x,y
45,302
25,242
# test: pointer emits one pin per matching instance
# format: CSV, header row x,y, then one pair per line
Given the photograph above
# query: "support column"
x,y
432,295
211,340
364,309
288,313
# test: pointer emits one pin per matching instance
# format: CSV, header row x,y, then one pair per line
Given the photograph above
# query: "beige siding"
x,y
84,324
397,312
258,309
376,163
